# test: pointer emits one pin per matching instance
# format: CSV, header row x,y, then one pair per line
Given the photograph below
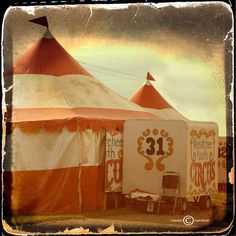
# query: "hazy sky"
x,y
181,46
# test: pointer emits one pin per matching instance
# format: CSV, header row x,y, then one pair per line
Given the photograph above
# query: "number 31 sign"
x,y
155,144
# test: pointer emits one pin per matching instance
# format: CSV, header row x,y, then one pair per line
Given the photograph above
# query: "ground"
x,y
130,219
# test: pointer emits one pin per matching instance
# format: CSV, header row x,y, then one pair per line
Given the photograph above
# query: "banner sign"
x,y
203,162
113,163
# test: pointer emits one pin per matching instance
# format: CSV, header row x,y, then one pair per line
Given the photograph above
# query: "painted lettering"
x,y
202,173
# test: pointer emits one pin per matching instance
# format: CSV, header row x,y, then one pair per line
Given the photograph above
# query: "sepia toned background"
x,y
182,45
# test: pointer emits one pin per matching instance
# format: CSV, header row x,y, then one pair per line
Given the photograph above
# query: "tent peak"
x,y
47,34
147,82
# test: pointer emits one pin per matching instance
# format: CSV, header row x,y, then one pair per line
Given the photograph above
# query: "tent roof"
x,y
49,85
148,97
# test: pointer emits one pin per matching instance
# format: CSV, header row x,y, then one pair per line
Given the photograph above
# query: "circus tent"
x,y
148,97
58,115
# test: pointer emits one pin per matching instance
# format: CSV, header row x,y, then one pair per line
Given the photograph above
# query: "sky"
x,y
182,46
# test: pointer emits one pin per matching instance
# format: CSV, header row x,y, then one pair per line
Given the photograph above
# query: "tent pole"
x,y
105,202
79,189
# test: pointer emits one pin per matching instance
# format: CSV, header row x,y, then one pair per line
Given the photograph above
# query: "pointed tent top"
x,y
148,97
150,77
40,21
47,57
48,34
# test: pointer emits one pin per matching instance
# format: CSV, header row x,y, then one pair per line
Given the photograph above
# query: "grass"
x,y
218,200
33,219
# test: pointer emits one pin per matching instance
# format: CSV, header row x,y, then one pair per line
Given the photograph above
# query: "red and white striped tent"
x,y
148,97
59,114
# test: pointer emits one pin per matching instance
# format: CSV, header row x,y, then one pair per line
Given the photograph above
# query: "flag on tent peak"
x,y
150,77
40,21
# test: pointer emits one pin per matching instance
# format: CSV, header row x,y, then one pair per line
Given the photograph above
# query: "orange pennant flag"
x,y
150,77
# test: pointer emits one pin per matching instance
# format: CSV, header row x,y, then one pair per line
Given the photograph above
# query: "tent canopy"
x,y
49,84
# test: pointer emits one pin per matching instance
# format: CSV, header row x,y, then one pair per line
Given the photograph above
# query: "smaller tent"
x,y
148,97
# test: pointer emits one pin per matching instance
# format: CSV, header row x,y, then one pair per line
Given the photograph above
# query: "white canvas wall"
x,y
92,147
44,150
